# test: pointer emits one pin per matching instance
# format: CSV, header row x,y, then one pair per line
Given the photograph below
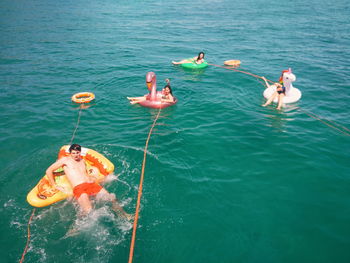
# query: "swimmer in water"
x,y
196,60
279,93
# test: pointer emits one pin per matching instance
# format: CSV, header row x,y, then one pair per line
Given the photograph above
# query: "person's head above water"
x,y
74,147
200,55
167,89
74,151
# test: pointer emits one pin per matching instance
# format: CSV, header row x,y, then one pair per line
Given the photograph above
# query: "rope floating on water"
x,y
241,71
343,129
28,237
76,126
31,217
132,245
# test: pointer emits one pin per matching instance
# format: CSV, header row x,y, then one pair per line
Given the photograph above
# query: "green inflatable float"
x,y
193,65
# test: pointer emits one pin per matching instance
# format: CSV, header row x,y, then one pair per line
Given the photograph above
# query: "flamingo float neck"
x,y
151,82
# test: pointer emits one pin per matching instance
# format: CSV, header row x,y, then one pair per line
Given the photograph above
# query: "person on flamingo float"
x,y
84,186
166,95
197,60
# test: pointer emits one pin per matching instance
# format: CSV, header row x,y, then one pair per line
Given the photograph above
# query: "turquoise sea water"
x,y
226,179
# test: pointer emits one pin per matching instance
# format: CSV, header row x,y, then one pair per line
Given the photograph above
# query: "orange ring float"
x,y
83,97
234,63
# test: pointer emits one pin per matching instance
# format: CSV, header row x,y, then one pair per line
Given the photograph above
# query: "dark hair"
x,y
199,54
168,86
75,147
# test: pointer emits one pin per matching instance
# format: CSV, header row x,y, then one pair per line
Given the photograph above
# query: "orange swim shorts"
x,y
86,188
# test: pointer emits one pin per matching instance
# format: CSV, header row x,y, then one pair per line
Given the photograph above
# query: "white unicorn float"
x,y
290,94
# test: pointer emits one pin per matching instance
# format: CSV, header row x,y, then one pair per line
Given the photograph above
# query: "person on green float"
x,y
196,60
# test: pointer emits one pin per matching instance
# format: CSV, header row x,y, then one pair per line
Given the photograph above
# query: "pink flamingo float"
x,y
155,99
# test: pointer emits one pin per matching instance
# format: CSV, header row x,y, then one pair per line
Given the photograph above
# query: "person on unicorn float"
x,y
279,93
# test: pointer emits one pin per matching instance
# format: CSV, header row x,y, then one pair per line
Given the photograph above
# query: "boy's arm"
x,y
53,167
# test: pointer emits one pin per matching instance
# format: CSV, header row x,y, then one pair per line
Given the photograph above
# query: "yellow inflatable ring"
x,y
43,194
83,97
234,63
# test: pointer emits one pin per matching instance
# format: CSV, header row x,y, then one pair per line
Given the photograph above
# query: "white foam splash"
x,y
102,230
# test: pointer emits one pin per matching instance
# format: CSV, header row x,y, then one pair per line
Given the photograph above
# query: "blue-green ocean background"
x,y
226,179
